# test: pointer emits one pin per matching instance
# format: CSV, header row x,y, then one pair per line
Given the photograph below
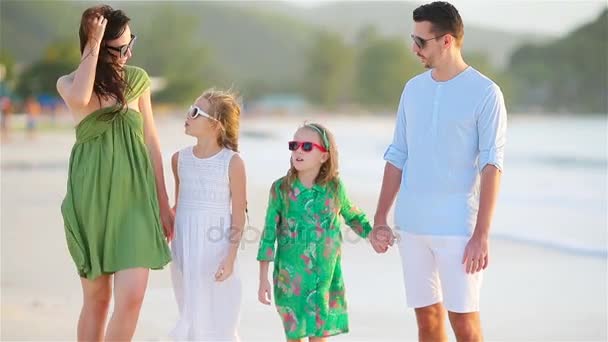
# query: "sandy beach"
x,y
531,292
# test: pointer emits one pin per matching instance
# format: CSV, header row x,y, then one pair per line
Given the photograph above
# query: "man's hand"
x,y
381,236
476,254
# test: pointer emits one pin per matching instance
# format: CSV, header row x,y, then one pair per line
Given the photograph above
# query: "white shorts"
x,y
433,272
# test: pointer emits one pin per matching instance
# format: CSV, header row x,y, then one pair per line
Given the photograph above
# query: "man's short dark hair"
x,y
443,16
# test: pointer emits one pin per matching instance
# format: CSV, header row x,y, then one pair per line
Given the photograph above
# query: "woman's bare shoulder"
x,y
66,80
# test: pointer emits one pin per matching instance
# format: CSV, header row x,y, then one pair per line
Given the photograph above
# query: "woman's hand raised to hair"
x,y
97,28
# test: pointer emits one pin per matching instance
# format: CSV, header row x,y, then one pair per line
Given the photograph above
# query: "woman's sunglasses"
x,y
124,49
194,112
307,146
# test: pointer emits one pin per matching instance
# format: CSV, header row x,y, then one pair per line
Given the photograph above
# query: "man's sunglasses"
x,y
194,112
307,146
420,42
124,49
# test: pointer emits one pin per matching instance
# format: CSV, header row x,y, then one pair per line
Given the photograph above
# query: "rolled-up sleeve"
x,y
396,153
492,129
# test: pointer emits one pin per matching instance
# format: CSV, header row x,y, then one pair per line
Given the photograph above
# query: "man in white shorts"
x,y
445,163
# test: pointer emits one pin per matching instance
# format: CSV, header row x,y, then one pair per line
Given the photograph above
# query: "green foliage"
x,y
268,49
168,50
569,74
383,68
329,64
59,58
7,60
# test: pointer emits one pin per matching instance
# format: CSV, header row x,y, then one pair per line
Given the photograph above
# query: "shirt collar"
x,y
316,187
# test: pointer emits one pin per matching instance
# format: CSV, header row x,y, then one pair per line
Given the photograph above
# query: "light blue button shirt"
x,y
446,133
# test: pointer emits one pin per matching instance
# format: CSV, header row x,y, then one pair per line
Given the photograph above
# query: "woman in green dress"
x,y
303,221
116,211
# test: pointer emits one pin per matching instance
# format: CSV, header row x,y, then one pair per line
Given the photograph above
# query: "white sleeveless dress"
x,y
208,310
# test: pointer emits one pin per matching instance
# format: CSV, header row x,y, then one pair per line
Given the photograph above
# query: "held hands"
x,y
382,236
264,292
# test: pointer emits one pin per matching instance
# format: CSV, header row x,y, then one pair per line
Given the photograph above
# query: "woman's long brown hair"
x,y
109,78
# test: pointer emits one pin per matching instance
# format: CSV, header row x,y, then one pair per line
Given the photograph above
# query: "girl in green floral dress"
x,y
303,221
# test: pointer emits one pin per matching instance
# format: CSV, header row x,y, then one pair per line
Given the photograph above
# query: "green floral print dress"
x,y
308,284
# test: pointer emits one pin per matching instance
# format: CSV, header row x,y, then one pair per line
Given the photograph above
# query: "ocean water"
x,y
554,187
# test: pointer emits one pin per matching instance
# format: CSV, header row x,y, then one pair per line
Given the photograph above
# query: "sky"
x,y
554,17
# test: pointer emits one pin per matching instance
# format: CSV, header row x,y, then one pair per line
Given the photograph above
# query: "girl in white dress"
x,y
210,217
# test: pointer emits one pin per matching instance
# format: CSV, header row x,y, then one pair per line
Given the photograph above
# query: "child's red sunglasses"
x,y
307,146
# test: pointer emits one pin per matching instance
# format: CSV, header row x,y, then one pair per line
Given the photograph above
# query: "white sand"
x,y
529,293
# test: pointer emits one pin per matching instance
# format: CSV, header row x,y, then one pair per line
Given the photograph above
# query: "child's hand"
x,y
264,293
224,270
381,238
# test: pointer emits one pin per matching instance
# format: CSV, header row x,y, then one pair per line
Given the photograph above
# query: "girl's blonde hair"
x,y
328,174
224,106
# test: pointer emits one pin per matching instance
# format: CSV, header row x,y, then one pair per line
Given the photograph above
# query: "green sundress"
x,y
110,211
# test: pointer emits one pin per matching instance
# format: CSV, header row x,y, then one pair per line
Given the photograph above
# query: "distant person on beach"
x,y
6,113
32,112
210,197
445,164
116,211
302,236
